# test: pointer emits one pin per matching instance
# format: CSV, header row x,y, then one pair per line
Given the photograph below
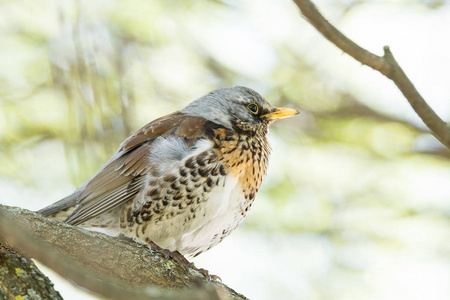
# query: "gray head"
x,y
237,107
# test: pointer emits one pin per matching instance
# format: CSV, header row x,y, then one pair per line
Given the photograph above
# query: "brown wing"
x,y
123,176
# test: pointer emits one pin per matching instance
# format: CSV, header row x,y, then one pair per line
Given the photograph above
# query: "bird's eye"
x,y
253,108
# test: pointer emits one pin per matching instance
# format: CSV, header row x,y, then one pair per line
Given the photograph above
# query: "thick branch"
x,y
109,266
387,65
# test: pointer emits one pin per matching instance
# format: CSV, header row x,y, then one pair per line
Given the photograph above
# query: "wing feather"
x,y
122,178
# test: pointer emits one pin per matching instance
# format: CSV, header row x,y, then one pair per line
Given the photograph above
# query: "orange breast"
x,y
245,157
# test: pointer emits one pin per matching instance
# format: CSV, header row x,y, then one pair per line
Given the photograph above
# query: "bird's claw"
x,y
206,273
182,261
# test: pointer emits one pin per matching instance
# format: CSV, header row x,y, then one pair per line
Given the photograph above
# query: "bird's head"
x,y
237,108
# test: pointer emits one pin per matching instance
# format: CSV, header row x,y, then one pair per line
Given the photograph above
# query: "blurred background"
x,y
357,201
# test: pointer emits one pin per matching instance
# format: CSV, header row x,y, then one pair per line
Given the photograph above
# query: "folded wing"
x,y
123,176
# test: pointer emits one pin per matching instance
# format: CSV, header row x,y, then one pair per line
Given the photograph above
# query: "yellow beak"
x,y
280,113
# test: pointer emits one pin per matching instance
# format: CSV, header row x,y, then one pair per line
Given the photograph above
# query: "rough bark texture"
x,y
106,265
21,279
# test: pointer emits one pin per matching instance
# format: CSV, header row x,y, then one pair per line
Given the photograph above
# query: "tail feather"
x,y
61,209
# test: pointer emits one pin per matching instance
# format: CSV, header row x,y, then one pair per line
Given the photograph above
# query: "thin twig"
x,y
386,64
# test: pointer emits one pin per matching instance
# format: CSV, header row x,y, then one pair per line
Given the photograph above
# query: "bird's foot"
x,y
205,273
180,259
175,255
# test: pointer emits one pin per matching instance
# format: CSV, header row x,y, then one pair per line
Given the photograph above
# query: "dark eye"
x,y
253,107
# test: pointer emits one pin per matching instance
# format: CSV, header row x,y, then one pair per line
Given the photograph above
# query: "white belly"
x,y
222,216
215,219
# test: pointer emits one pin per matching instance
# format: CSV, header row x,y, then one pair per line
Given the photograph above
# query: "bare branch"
x,y
387,65
108,266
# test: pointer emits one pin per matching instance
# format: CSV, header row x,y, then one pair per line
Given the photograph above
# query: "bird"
x,y
183,182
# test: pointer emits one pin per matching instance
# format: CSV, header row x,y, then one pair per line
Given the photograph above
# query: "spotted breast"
x,y
200,189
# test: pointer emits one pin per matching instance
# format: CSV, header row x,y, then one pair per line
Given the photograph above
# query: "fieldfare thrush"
x,y
184,181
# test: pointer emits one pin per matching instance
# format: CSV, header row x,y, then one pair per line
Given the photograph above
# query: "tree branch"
x,y
387,65
21,279
106,265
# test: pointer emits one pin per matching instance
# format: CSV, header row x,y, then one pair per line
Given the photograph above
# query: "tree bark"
x,y
21,279
106,265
